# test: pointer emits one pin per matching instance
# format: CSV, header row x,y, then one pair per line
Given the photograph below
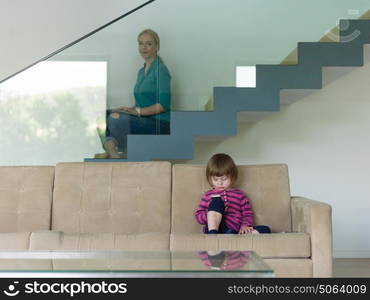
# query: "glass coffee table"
x,y
133,264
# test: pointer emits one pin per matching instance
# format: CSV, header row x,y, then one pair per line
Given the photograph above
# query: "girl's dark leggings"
x,y
218,205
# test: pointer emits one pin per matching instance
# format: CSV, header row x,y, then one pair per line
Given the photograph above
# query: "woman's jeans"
x,y
118,129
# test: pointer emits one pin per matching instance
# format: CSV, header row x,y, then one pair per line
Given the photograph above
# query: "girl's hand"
x,y
245,229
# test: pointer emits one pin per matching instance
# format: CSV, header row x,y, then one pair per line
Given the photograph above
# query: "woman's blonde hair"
x,y
221,164
153,34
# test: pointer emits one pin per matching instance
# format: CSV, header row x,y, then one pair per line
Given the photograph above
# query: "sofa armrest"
x,y
314,218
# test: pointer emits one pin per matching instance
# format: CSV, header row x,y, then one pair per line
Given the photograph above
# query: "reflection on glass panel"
x,y
138,87
50,112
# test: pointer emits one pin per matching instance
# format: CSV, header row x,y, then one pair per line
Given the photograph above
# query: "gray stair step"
x,y
160,147
246,99
355,31
201,123
289,76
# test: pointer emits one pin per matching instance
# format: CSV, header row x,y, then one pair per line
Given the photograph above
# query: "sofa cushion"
x,y
267,187
18,264
265,245
11,257
25,198
55,240
110,264
15,241
112,197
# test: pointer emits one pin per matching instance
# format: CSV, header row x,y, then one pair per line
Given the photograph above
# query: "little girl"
x,y
224,209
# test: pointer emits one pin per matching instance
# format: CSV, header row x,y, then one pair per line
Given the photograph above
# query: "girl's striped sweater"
x,y
238,211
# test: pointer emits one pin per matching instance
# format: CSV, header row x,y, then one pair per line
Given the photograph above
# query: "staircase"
x,y
257,102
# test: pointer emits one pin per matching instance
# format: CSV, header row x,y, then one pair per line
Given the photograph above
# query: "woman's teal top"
x,y
154,87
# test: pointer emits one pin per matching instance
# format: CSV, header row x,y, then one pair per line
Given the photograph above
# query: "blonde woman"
x,y
152,92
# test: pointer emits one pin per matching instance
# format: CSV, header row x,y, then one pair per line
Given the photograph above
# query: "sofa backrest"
x,y
25,198
112,197
267,187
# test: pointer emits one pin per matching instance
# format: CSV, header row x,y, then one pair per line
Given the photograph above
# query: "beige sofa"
x,y
150,206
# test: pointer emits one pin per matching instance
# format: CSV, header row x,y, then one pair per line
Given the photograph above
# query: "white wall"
x,y
325,142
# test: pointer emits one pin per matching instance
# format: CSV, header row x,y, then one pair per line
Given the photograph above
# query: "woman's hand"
x,y
119,109
245,229
131,111
125,109
145,111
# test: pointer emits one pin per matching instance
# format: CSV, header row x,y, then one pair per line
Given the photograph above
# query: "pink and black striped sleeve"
x,y
201,212
246,209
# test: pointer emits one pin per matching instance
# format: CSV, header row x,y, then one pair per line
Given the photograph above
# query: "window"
x,y
246,76
49,112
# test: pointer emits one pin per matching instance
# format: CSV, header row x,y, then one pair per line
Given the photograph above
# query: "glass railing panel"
x,y
138,84
49,113
201,44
